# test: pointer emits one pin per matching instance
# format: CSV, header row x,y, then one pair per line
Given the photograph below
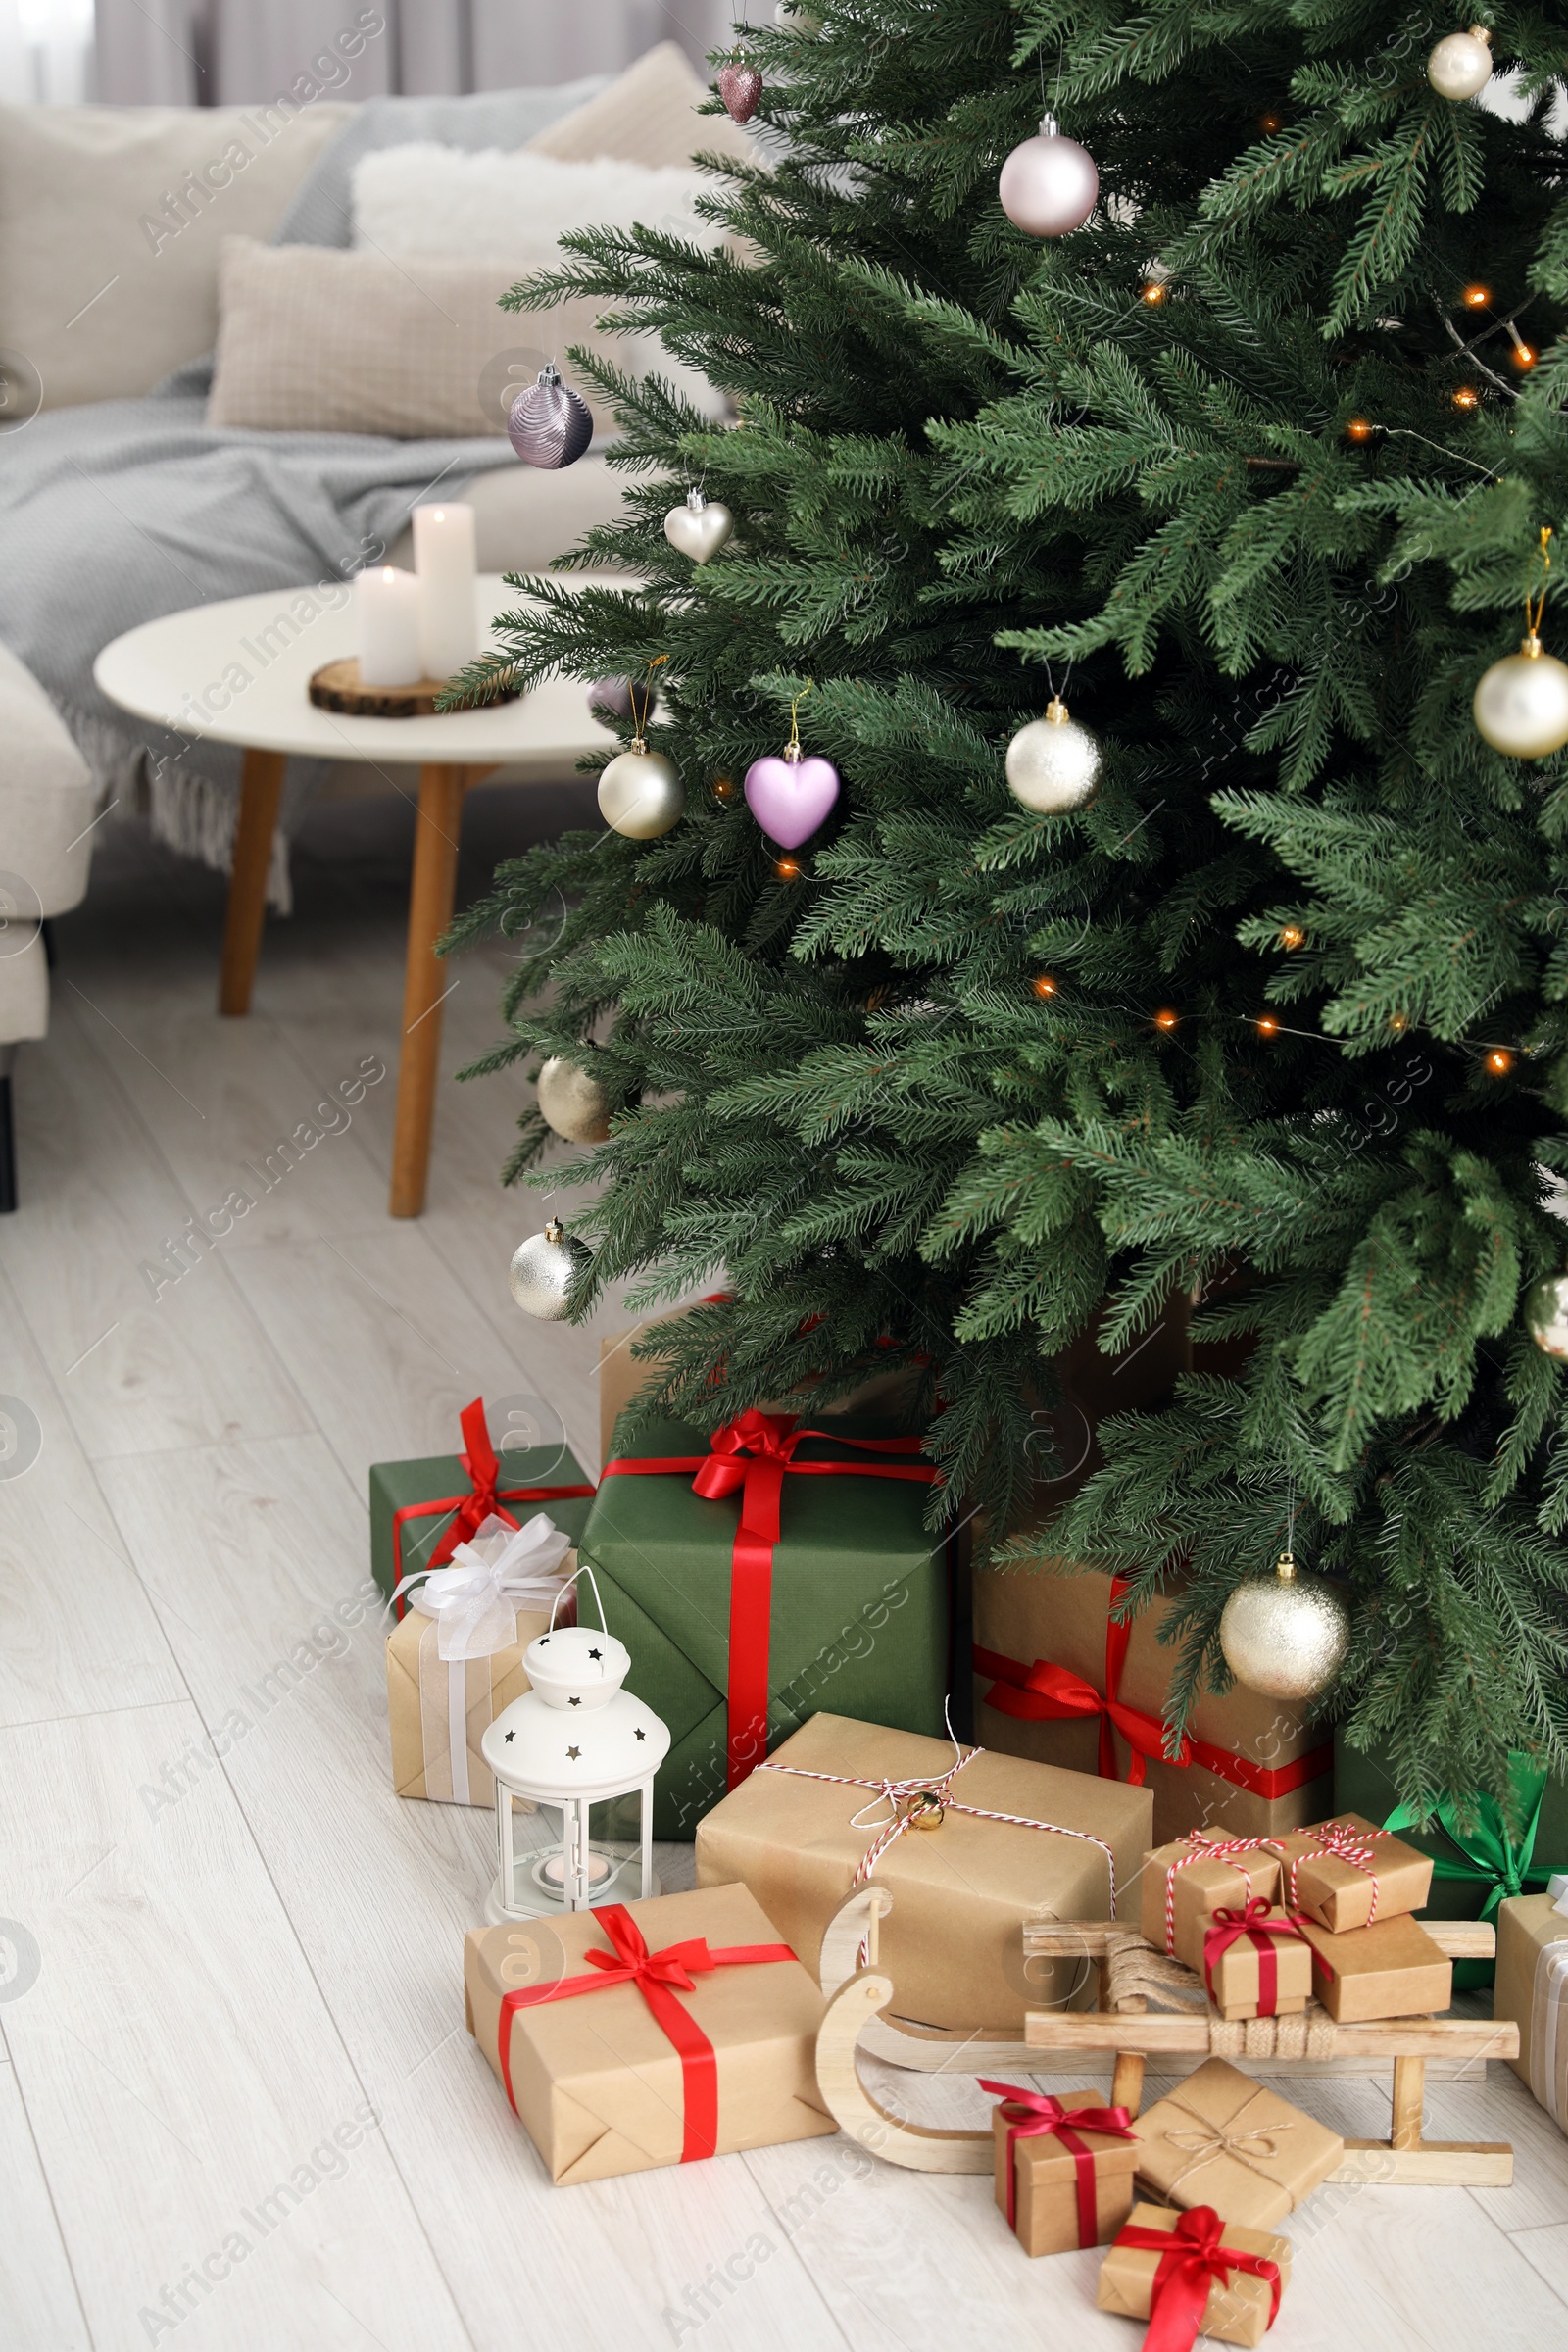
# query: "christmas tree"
x,y
1251,470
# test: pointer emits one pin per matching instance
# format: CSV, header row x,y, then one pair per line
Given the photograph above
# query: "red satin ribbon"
x,y
1033,2114
1190,2258
469,1512
752,1457
1046,1694
1263,1934
658,1977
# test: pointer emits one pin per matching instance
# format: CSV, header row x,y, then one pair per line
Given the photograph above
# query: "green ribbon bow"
x,y
1486,1851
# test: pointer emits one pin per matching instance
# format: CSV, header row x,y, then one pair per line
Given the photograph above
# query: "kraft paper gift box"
x,y
1047,1659
448,1496
1347,1873
1239,2310
610,2073
1258,1964
1392,1969
1182,1883
953,1941
735,1639
1219,2138
440,1706
1532,1989
1058,2195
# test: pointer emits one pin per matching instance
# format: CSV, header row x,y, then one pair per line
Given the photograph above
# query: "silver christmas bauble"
x,y
1052,764
699,527
543,1269
1547,1313
571,1102
1460,66
1521,705
641,793
1285,1634
1049,184
548,425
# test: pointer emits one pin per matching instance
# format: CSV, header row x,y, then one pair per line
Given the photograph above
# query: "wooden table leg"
x,y
427,982
260,790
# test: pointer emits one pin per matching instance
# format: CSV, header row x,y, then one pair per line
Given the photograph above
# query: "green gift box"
x,y
812,1550
421,1510
1473,1869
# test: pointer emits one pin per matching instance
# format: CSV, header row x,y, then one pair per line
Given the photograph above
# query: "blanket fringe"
x,y
191,814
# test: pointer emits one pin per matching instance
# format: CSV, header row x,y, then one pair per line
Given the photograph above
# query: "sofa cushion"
x,y
109,224
46,802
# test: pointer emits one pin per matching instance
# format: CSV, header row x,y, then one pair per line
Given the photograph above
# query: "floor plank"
x,y
39,2310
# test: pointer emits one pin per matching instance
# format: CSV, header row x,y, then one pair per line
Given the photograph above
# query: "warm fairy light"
x,y
1291,937
1500,1062
1270,124
1267,1026
1045,986
1153,293
1522,355
1467,396
1398,1022
1166,1021
1476,297
1360,428
723,788
787,870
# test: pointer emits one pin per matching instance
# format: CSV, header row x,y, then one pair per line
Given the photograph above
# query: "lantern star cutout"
x,y
574,1753
574,1703
639,1734
512,1736
596,1653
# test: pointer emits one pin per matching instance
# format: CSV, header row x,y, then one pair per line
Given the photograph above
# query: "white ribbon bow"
x,y
499,1570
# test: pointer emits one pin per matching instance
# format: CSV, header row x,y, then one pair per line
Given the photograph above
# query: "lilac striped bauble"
x,y
548,425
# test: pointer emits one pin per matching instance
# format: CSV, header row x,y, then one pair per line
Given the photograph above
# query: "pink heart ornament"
x,y
740,86
790,797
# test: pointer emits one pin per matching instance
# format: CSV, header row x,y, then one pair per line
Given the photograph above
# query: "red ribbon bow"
x,y
1046,1694
1190,2258
469,1512
752,1457
658,1977
1263,1932
1033,2114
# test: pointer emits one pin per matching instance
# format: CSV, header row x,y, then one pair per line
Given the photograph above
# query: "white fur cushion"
x,y
46,797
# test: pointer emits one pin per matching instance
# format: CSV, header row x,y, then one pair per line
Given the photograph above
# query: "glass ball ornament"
x,y
1521,705
699,527
548,425
1049,184
1547,1314
1052,764
1285,1634
570,1103
640,793
543,1270
1460,66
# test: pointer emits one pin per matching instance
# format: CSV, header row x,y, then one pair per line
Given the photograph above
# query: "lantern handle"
x,y
582,1569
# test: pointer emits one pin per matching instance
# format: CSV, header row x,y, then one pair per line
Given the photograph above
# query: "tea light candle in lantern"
x,y
446,566
386,612
574,1741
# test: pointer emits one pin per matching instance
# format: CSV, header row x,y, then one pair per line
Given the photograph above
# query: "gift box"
x,y
692,2035
1060,1680
1063,2167
1392,1969
1347,1873
421,1511
1480,1853
1194,2274
1219,2138
1184,1882
762,1574
1015,1841
1532,1989
1256,1962
454,1658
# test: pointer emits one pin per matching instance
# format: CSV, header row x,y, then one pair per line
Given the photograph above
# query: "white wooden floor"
x,y
213,1965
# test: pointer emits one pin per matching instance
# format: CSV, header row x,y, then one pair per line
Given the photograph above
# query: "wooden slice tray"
x,y
336,687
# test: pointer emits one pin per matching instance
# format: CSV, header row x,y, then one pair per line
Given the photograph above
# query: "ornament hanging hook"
x,y
641,724
796,700
1534,608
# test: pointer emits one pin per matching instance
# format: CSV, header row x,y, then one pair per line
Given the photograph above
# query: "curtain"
x,y
241,51
45,51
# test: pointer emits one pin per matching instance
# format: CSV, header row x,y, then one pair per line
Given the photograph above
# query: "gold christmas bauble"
x,y
1285,1634
543,1269
1521,705
1547,1313
575,1105
1052,764
641,793
1460,66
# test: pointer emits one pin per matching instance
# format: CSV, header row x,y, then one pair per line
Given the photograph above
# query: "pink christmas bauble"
x,y
1049,184
790,797
740,86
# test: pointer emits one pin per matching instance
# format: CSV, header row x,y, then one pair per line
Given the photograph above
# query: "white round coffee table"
x,y
239,673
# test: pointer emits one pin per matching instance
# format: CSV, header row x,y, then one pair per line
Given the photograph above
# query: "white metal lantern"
x,y
574,1743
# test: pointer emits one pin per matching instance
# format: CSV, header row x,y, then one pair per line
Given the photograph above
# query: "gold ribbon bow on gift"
x,y
1212,2140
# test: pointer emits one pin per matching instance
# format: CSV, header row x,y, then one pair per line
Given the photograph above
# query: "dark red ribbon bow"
x,y
1263,1932
1033,2114
469,1512
658,1977
1192,2258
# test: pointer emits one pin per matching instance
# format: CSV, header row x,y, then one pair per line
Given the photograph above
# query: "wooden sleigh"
x,y
1128,2025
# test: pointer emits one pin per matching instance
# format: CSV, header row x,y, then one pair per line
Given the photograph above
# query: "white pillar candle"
x,y
445,567
386,610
